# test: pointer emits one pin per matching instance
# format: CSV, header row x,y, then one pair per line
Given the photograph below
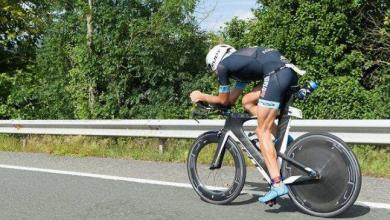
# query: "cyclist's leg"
x,y
249,102
285,78
273,91
265,119
267,111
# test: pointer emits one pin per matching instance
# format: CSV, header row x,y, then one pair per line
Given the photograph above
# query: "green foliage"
x,y
321,37
21,24
344,98
5,88
39,91
235,32
147,56
373,160
374,35
141,63
145,59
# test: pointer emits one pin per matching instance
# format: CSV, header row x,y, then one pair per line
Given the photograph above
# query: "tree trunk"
x,y
89,26
91,89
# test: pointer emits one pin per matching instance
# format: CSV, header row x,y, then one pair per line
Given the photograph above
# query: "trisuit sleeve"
x,y
223,79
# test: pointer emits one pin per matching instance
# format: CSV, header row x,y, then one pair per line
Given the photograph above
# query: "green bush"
x,y
145,59
343,97
322,37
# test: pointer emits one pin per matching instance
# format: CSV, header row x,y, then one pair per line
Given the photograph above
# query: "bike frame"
x,y
233,130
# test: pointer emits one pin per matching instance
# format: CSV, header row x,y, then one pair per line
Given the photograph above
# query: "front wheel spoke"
x,y
209,178
215,177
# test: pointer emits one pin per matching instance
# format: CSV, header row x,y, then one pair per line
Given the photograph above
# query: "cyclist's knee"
x,y
247,102
265,123
263,131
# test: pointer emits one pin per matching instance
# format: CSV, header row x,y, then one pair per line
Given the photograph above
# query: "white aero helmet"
x,y
217,54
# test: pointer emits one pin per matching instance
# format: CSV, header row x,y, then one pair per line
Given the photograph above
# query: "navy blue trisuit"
x,y
254,64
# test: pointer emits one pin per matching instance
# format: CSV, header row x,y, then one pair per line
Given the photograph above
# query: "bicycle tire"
x,y
340,176
208,193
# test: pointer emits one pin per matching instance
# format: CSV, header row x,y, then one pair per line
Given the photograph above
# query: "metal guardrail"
x,y
351,131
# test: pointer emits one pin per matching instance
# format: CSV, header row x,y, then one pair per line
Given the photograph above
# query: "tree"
x,y
374,40
144,58
21,24
21,27
322,38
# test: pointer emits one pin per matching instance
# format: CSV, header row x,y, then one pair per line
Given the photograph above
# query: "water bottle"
x,y
307,89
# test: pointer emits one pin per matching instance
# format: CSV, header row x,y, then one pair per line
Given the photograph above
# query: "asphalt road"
x,y
27,194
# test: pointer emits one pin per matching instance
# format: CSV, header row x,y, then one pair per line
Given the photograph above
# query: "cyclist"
x,y
250,65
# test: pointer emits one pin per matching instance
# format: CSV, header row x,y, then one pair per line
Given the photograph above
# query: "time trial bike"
x,y
320,170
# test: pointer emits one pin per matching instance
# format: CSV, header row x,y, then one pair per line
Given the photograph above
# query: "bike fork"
x,y
220,152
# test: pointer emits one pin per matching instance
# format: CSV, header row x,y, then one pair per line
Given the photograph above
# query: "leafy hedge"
x,y
322,37
145,59
146,56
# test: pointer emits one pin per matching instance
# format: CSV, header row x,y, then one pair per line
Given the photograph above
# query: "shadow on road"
x,y
257,186
355,211
252,199
286,205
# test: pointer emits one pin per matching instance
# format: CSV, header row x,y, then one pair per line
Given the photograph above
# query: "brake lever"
x,y
204,105
211,109
194,114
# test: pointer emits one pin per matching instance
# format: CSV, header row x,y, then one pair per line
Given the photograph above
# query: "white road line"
x,y
99,176
374,204
146,181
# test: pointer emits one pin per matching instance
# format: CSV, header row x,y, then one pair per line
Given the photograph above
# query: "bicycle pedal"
x,y
271,202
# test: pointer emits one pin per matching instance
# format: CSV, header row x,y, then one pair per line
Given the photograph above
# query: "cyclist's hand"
x,y
196,96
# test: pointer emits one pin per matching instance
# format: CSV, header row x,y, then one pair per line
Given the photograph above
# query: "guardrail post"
x,y
24,142
161,145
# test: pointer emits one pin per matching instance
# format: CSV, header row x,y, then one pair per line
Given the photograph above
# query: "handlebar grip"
x,y
208,106
202,104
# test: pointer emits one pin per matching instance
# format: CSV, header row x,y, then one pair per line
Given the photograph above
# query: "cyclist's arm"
x,y
225,96
236,92
221,98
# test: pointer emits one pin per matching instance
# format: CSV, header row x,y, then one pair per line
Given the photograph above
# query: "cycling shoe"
x,y
274,193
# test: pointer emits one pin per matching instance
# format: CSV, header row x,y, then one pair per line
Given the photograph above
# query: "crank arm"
x,y
308,170
296,180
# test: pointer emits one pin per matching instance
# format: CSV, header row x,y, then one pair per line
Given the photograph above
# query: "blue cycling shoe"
x,y
274,193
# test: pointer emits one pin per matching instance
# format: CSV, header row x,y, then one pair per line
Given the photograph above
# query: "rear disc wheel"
x,y
340,177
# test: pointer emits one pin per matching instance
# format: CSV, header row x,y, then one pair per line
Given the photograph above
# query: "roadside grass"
x,y
374,160
81,146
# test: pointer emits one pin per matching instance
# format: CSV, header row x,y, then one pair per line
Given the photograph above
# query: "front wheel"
x,y
340,177
217,186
